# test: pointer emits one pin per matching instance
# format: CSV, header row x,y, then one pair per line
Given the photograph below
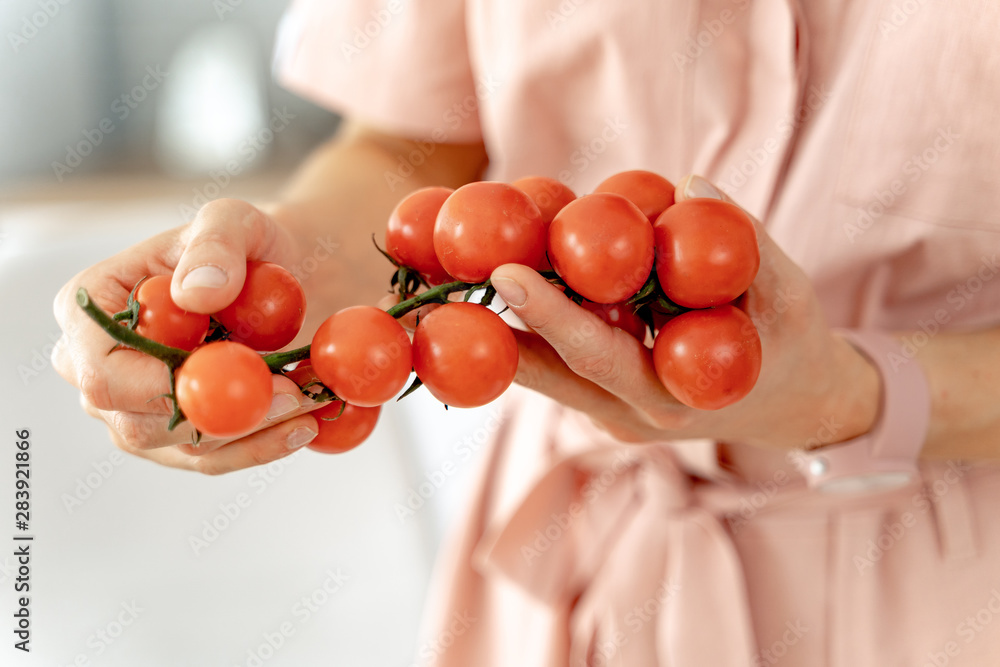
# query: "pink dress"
x,y
865,136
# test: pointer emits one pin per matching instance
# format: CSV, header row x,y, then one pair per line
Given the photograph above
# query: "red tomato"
x,y
409,236
343,431
224,389
602,246
464,354
485,224
708,359
160,319
549,195
652,193
621,316
707,252
362,354
269,310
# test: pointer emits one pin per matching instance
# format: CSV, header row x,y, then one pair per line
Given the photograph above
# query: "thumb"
x,y
694,186
211,270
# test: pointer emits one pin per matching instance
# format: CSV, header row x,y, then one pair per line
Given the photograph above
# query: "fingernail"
x,y
281,404
207,275
300,437
510,291
699,187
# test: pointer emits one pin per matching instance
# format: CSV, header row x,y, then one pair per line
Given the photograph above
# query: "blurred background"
x,y
143,89
119,119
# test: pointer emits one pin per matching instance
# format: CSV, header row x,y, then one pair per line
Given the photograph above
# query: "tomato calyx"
x,y
130,316
408,279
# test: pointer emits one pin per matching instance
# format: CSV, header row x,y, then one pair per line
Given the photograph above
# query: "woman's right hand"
x,y
125,388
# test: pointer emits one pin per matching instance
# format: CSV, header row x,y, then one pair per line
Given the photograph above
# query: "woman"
x,y
838,515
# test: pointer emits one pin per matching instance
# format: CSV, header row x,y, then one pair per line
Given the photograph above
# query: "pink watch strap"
x,y
886,456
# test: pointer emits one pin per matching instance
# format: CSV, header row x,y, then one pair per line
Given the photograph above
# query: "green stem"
x,y
276,361
173,357
433,295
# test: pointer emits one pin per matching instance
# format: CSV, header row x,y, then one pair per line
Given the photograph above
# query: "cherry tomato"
x,y
464,354
485,224
707,252
224,389
409,236
362,354
652,193
549,195
708,359
602,246
269,310
621,316
163,321
343,431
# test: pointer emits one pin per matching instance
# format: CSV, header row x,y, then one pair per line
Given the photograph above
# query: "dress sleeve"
x,y
400,65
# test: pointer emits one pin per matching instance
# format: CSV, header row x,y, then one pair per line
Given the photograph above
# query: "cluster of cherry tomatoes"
x,y
667,273
626,252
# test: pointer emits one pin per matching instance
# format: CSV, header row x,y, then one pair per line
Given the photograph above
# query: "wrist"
x,y
885,455
853,402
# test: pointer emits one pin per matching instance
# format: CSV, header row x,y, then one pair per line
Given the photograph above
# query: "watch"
x,y
886,456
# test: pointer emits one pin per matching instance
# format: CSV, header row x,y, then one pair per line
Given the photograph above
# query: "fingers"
x,y
124,380
285,430
136,431
287,402
258,449
212,267
608,357
539,367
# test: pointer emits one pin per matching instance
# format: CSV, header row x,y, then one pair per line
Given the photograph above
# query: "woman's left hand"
x,y
814,388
